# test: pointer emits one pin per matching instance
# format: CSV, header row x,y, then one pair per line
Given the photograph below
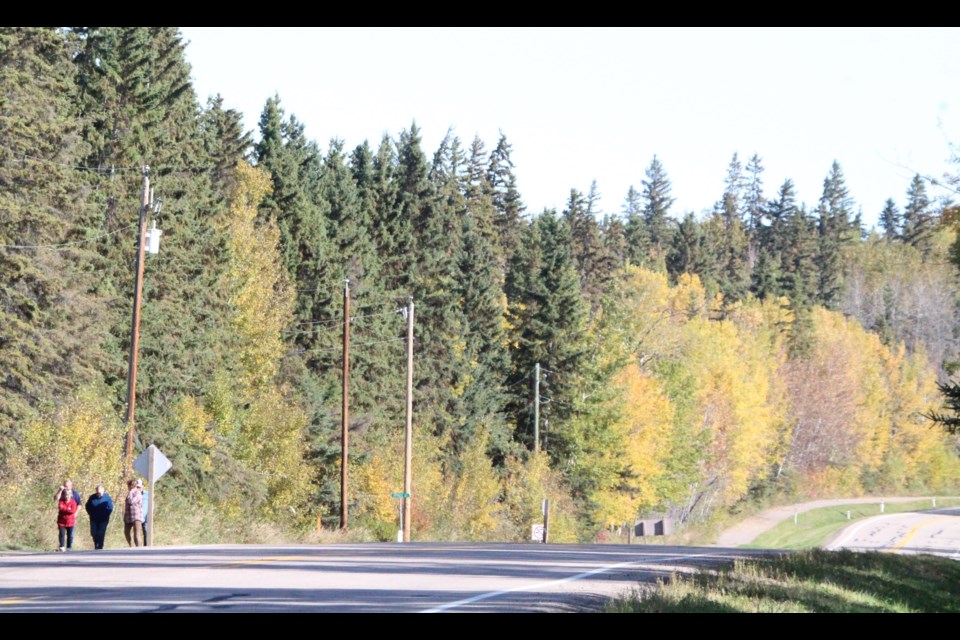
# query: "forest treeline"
x,y
688,363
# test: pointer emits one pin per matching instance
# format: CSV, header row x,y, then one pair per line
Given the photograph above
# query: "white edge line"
x,y
540,585
853,531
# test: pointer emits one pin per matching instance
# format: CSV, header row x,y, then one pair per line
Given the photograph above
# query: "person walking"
x,y
133,514
99,507
68,485
145,508
66,519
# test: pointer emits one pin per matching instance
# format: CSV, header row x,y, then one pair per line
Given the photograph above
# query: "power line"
x,y
65,244
312,322
358,344
338,320
375,315
105,170
508,385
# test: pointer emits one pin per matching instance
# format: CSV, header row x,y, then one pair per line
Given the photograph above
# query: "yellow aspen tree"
x,y
643,428
269,431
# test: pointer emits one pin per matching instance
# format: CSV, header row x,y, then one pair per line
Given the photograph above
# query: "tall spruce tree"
x,y
918,220
692,252
51,304
587,245
836,230
224,141
891,220
548,317
506,199
729,236
635,229
429,196
754,202
656,207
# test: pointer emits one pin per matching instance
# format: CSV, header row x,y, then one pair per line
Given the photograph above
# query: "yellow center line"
x,y
265,560
14,600
909,536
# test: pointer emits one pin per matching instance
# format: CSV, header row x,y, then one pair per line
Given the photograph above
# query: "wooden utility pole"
x,y
135,323
408,436
536,408
345,413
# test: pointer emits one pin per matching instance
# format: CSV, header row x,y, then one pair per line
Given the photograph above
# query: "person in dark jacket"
x,y
99,507
66,519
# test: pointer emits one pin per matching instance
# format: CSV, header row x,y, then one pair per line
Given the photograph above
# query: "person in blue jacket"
x,y
99,507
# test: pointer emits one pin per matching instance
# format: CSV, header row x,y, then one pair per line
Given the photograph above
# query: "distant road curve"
x,y
746,531
936,531
388,577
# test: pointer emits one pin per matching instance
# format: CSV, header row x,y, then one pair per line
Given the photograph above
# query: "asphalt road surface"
x,y
936,531
418,577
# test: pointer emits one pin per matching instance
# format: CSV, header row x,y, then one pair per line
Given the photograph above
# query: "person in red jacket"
x,y
67,518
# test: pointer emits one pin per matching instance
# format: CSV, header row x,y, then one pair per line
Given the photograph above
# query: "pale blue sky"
x,y
584,104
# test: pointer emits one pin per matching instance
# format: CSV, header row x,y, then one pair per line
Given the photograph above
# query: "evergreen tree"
x,y
548,317
300,212
480,195
769,238
656,207
51,303
587,247
635,229
890,220
506,199
918,220
730,237
140,109
224,140
732,202
799,275
486,358
754,201
836,230
692,252
615,248
431,197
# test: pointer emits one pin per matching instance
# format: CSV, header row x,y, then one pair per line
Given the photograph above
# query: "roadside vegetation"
x,y
814,581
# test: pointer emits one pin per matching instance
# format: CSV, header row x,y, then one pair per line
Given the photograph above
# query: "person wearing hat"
x,y
133,513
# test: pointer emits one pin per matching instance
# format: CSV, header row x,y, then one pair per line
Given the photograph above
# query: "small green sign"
x,y
399,495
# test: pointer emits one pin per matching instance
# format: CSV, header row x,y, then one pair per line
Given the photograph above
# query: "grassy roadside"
x,y
814,581
815,527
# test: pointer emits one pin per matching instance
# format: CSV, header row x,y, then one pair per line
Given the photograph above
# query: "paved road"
x,y
343,578
747,530
936,531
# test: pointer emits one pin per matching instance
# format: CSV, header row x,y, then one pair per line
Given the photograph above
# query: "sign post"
x,y
401,496
152,464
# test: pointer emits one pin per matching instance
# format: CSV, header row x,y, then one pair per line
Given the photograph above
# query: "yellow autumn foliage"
x,y
643,430
262,301
737,406
81,440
